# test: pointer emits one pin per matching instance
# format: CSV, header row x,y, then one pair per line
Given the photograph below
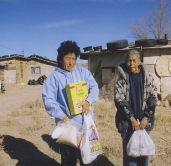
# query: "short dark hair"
x,y
65,48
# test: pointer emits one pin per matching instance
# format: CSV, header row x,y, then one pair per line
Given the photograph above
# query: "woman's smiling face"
x,y
132,63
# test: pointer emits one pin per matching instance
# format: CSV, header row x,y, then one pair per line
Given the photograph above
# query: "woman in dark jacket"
x,y
135,97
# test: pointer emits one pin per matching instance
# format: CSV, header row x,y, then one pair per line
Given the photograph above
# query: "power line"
x,y
10,49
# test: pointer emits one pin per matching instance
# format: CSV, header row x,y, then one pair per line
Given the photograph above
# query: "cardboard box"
x,y
76,94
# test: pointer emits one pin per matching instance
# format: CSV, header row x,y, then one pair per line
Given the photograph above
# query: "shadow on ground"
x,y
51,142
100,160
103,161
26,153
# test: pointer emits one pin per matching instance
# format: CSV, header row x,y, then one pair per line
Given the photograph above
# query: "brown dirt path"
x,y
24,144
16,95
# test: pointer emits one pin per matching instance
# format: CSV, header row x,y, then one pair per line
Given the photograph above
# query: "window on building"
x,y
35,70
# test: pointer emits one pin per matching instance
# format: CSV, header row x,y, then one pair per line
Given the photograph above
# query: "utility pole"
x,y
22,52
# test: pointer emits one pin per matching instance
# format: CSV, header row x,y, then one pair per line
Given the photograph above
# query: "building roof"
x,y
86,54
32,57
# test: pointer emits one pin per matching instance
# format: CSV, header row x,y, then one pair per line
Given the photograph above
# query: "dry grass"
x,y
33,112
10,122
112,144
168,98
30,109
162,132
33,121
163,122
163,117
105,121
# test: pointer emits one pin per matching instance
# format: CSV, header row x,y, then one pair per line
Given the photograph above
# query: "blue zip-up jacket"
x,y
55,97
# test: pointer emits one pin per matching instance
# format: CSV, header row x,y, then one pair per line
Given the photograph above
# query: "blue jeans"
x,y
132,161
69,156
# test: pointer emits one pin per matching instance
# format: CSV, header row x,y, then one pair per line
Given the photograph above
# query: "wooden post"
x,y
0,86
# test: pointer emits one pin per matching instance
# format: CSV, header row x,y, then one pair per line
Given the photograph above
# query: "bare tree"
x,y
139,29
156,25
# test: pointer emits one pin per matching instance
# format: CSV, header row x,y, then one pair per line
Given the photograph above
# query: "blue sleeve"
x,y
92,86
49,95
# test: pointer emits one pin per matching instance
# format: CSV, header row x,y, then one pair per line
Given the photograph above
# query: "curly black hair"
x,y
65,48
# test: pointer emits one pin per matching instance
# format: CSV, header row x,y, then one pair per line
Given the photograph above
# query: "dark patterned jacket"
x,y
122,99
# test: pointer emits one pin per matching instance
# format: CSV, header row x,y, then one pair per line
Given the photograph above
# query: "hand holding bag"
x,y
90,146
140,144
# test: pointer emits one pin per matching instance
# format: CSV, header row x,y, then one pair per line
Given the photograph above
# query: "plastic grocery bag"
x,y
56,132
90,146
69,133
140,144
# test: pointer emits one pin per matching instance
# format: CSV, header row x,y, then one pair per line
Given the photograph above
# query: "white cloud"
x,y
57,24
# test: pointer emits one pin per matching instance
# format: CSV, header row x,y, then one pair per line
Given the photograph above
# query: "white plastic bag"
x,y
56,132
140,144
68,136
69,133
90,146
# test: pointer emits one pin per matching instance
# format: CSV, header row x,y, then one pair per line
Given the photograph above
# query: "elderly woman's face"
x,y
68,62
132,63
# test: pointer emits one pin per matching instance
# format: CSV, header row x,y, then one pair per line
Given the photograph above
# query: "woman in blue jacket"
x,y
55,97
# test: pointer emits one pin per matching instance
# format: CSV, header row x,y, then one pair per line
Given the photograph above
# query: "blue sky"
x,y
39,26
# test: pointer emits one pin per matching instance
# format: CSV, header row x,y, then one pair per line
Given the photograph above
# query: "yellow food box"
x,y
76,94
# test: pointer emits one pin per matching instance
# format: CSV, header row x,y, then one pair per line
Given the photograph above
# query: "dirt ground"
x,y
25,131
